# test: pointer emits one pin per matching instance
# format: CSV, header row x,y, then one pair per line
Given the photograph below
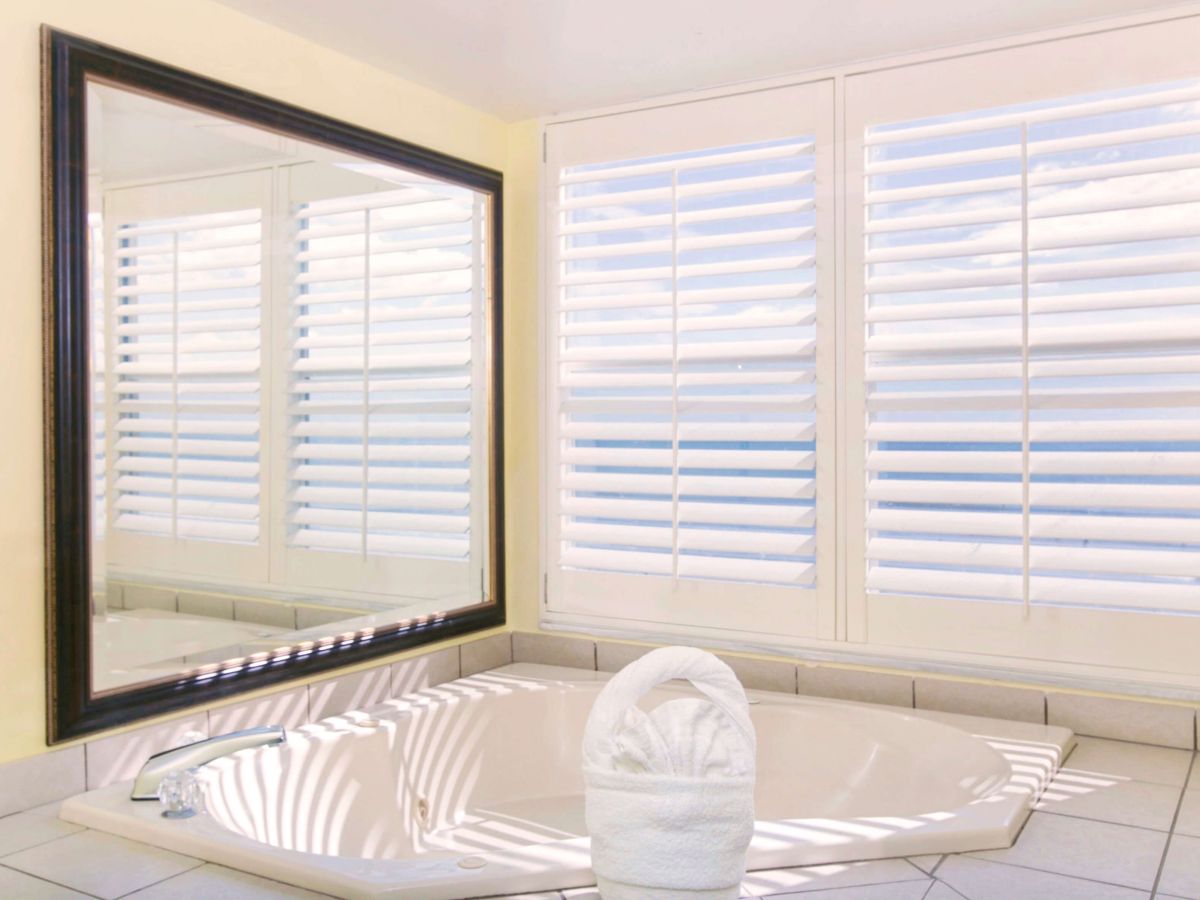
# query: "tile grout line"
x,y
1081,818
1128,743
999,862
65,887
947,885
82,829
200,863
1162,862
918,868
791,893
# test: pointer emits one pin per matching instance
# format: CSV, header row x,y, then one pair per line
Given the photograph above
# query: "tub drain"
x,y
472,862
422,812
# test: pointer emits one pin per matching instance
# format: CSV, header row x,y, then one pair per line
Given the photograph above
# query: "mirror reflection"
x,y
290,385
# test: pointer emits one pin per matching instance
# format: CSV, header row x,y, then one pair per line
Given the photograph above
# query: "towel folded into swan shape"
x,y
670,793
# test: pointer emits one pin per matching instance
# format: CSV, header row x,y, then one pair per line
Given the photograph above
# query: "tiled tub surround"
x,y
1103,831
276,613
474,788
1128,785
139,623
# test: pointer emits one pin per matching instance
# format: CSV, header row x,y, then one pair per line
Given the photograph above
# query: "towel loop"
x,y
711,677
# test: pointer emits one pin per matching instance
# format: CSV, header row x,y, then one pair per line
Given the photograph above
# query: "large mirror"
x,y
273,390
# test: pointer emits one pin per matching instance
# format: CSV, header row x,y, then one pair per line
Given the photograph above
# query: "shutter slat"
x,y
381,498
763,571
989,121
761,154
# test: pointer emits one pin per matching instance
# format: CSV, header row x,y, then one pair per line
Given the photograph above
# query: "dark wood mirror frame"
x,y
67,63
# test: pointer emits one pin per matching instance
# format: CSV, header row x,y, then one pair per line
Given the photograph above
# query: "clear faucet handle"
x,y
179,793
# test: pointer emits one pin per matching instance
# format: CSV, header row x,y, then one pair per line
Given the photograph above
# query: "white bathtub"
x,y
474,788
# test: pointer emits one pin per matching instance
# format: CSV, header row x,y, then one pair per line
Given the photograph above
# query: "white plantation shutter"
x,y
185,357
1034,353
1114,345
685,398
384,354
1030,352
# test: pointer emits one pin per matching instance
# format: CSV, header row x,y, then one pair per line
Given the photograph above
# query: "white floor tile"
x,y
905,890
214,882
1140,762
1111,798
100,864
837,875
981,880
1181,871
16,884
1116,854
1189,810
32,827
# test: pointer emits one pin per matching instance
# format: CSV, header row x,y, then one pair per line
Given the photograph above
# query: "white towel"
x,y
670,793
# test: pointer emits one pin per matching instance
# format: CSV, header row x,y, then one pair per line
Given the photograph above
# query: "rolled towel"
x,y
670,793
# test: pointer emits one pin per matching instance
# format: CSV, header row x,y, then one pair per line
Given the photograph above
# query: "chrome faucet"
x,y
158,766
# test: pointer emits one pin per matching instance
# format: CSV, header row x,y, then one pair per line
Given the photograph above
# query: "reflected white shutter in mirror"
x,y
385,354
185,371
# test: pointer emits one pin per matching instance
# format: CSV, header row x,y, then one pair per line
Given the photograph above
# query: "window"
x,y
384,364
984,445
686,408
293,398
184,393
1033,306
1028,332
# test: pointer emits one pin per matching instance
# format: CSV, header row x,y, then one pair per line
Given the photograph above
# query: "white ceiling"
x,y
522,58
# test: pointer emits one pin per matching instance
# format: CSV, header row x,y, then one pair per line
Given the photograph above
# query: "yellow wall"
x,y
522,376
213,40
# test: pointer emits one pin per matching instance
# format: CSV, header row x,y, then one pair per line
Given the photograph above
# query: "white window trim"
x,y
851,609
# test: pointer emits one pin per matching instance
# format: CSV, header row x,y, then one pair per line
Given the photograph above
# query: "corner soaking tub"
x,y
474,788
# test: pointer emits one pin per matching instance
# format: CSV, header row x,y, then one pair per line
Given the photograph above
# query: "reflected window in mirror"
x,y
290,393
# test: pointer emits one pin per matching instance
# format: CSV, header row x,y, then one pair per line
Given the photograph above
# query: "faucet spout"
x,y
158,766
